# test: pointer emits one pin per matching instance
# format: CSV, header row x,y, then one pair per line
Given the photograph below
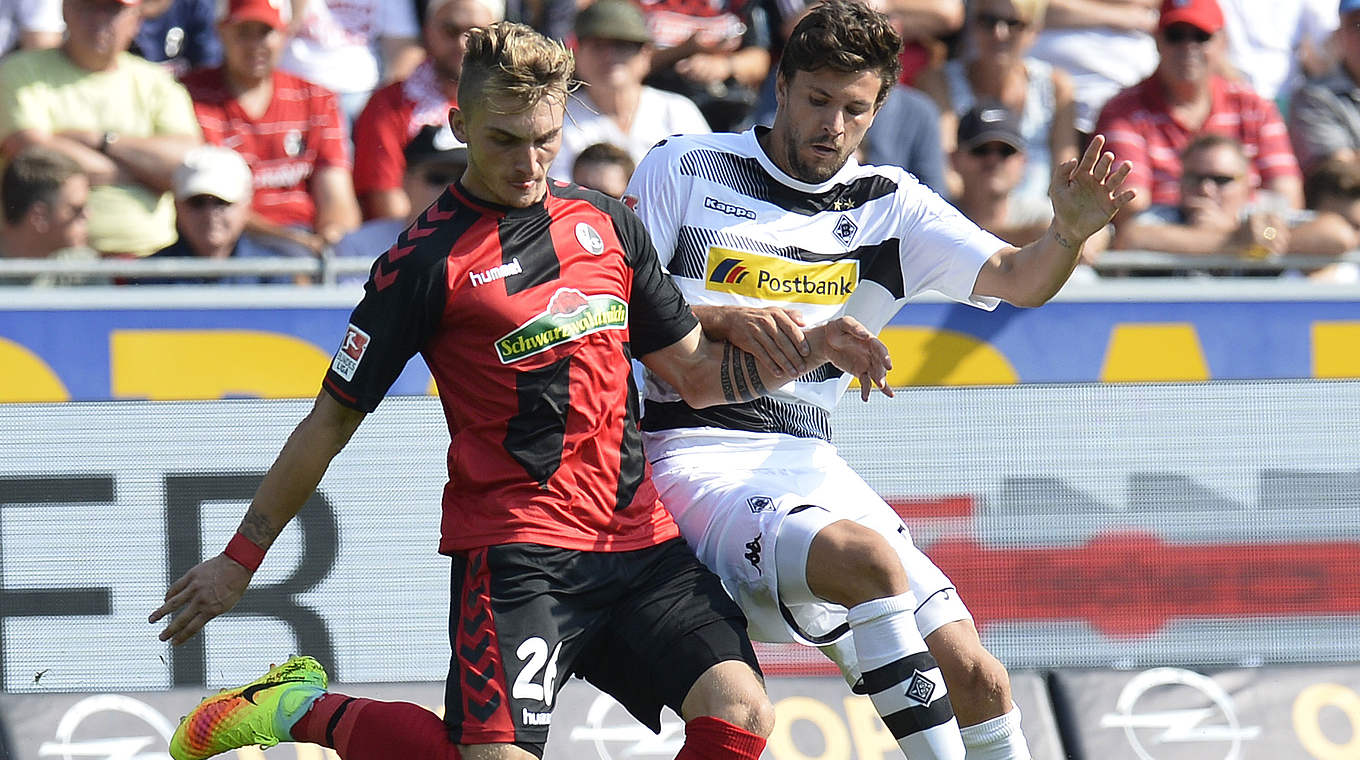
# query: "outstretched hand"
x,y
1088,192
773,334
209,589
850,346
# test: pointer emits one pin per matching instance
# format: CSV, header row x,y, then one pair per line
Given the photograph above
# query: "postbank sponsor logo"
x,y
571,314
776,279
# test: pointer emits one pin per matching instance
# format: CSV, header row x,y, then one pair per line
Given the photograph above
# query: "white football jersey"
x,y
733,229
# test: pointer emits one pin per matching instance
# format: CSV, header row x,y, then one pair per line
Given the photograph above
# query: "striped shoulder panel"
x,y
744,175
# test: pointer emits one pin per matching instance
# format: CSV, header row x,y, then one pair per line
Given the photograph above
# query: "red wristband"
x,y
244,552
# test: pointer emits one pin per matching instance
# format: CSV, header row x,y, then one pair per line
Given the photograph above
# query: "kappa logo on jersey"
x,y
571,314
351,352
846,229
759,504
727,208
496,273
753,553
772,278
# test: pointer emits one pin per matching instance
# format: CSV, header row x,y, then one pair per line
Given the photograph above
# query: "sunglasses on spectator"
x,y
992,21
992,149
201,202
1179,34
1217,179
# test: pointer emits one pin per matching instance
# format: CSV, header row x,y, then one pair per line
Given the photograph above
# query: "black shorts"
x,y
642,626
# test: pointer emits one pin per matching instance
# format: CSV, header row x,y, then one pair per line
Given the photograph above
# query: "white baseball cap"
x,y
216,171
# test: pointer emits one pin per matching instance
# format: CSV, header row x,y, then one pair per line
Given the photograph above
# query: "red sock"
x,y
366,729
709,738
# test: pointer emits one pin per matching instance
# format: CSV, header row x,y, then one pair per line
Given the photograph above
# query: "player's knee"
x,y
975,676
850,564
731,691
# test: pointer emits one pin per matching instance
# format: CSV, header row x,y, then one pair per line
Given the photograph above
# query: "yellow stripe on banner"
x,y
926,356
1336,349
163,365
1143,353
26,378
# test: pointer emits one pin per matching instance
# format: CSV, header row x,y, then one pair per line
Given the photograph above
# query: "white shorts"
x,y
730,495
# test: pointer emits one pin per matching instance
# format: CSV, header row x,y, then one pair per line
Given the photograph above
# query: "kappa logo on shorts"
x,y
351,352
760,504
921,688
753,553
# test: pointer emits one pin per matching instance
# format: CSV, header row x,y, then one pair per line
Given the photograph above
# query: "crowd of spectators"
x,y
1242,121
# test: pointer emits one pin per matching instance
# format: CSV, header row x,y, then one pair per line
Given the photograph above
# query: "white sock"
x,y
903,680
997,739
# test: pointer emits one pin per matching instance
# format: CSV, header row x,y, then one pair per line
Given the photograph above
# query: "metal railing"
x,y
330,270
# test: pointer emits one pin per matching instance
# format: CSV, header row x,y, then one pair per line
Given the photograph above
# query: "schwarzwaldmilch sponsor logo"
x,y
571,314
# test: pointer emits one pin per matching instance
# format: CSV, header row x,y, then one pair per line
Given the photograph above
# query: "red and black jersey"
x,y
527,319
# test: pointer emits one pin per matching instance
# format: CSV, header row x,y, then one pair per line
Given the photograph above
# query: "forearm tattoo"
x,y
740,376
257,528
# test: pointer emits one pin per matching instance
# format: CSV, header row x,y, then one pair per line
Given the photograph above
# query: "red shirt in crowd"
x,y
1138,127
393,116
299,134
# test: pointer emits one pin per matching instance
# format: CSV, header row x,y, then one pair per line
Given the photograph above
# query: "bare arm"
x,y
400,57
1124,15
708,372
39,40
387,203
99,168
337,210
927,19
149,161
217,584
1085,194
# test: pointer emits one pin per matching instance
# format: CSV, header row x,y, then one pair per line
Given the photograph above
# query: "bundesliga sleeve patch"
x,y
351,352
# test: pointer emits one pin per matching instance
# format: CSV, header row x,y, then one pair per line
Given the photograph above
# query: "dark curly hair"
x,y
846,36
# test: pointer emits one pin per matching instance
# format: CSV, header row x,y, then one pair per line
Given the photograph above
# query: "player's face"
x,y
509,153
821,121
445,34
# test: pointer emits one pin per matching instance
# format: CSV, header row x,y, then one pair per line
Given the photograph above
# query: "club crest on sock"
x,y
921,688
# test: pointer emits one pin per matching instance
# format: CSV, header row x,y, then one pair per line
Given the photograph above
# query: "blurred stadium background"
x,y
1147,492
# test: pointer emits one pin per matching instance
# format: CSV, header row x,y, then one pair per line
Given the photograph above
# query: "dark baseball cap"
x,y
612,20
990,121
434,144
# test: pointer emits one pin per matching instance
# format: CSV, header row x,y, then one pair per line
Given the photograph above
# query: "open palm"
x,y
1088,192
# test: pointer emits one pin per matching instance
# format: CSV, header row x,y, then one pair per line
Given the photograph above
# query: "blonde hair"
x,y
509,68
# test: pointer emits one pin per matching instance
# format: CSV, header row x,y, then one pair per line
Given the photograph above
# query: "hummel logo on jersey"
x,y
727,208
921,688
496,273
773,278
846,229
753,552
